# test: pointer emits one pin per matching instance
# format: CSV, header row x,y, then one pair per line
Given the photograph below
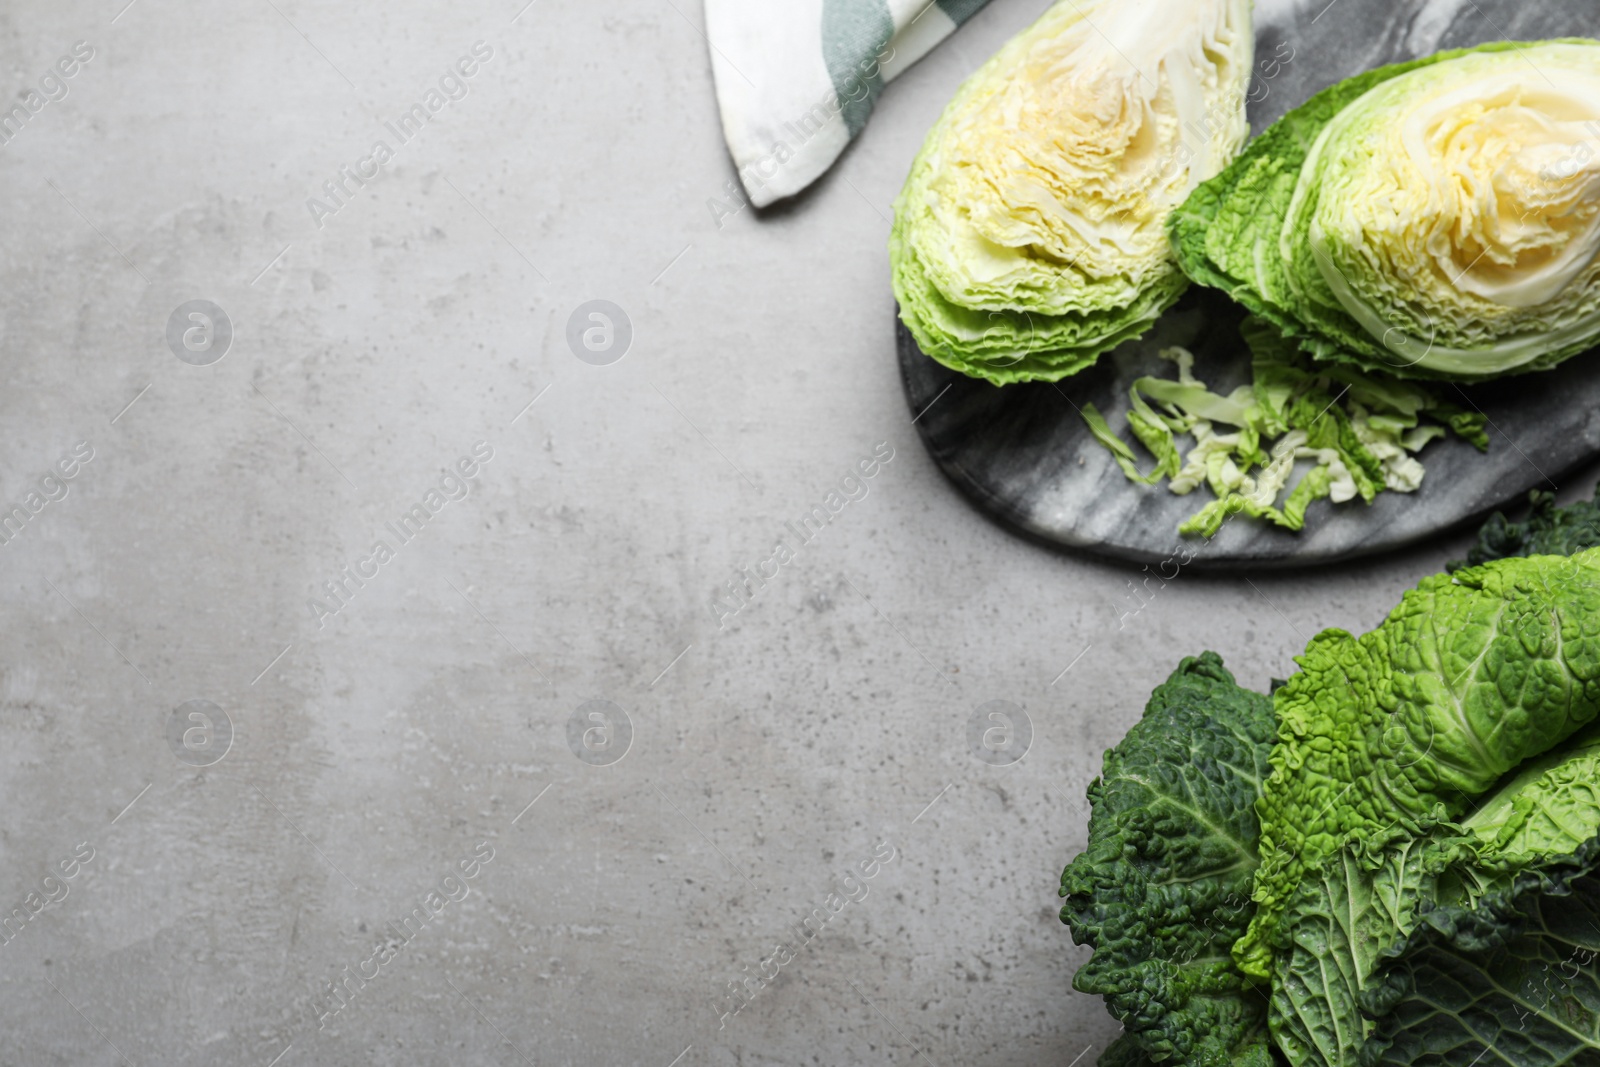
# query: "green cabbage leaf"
x,y
1548,530
1401,728
1507,980
1549,807
1343,916
1163,890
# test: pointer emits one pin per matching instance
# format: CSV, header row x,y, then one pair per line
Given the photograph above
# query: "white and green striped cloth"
x,y
796,79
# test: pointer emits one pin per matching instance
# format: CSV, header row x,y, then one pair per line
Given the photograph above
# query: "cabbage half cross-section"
x,y
1031,235
1433,219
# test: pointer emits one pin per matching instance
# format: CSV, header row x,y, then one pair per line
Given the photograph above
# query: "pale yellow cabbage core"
x,y
1457,207
1049,181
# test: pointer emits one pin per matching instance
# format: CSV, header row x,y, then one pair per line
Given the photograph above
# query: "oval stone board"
x,y
1024,455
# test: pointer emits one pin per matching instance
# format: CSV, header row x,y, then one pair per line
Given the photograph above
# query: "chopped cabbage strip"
x,y
1358,433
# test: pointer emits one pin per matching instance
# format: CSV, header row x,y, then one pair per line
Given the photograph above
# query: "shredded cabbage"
x,y
1359,432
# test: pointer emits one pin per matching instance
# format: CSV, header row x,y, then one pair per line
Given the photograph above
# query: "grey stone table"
x,y
374,751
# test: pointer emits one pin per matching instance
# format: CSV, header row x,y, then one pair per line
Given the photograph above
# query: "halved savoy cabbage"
x,y
1436,219
1030,236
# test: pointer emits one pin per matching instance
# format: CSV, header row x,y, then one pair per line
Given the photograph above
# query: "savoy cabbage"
x,y
1392,859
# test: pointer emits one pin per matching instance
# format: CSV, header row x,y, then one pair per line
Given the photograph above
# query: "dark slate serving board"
x,y
1025,457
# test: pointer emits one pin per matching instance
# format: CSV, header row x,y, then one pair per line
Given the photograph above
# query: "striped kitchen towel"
x,y
796,79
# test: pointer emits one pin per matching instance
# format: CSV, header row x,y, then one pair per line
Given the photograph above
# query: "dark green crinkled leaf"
x,y
1512,982
1163,890
1341,920
1124,1052
1548,531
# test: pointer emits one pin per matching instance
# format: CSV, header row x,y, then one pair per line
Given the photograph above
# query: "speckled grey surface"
x,y
1024,455
420,721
